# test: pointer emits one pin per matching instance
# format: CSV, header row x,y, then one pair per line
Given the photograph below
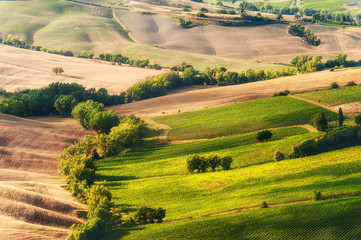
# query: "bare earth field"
x,y
34,205
212,97
21,69
269,43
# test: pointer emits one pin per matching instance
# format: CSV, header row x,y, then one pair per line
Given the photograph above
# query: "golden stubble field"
x,y
23,69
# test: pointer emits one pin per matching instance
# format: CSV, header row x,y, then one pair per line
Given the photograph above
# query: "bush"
x,y
358,119
304,149
350,84
317,196
284,93
58,70
278,156
334,85
201,14
319,121
213,161
264,205
226,162
148,215
93,229
264,135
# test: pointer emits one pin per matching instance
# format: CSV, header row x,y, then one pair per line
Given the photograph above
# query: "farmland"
x,y
314,220
334,97
141,176
235,118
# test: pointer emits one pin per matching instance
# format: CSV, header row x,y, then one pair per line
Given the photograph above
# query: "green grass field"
x,y
334,96
197,195
241,118
165,160
330,219
80,27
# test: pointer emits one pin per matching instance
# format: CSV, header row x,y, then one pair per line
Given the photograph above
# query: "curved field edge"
x,y
330,219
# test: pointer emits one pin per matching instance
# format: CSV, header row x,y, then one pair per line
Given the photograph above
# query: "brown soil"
x,y
34,203
23,69
206,98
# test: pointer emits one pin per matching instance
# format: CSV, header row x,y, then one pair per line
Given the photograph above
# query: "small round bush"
x,y
334,85
317,196
278,156
264,205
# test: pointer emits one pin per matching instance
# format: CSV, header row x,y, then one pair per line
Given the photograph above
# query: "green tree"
x,y
226,162
213,161
334,85
103,121
264,135
193,163
340,117
319,121
358,119
58,70
85,111
65,104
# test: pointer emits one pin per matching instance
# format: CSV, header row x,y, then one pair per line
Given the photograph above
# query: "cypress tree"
x,y
340,117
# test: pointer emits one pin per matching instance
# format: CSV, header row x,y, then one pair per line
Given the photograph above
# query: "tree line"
x,y
57,98
306,34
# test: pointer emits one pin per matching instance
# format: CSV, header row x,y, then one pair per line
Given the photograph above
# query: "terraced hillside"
x,y
34,205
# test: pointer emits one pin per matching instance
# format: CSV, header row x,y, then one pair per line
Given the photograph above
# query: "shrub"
x,y
148,215
350,84
304,149
319,121
334,85
201,14
226,162
264,135
93,229
358,119
58,70
264,205
278,156
213,161
284,93
317,196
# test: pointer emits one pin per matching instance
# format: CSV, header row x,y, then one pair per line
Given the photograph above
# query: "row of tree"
x,y
77,164
305,34
203,163
57,98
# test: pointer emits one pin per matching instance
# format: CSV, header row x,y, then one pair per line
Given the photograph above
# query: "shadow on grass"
x,y
122,231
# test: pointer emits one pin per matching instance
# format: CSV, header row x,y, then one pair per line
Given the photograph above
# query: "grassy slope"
x,y
334,96
196,195
236,118
164,160
331,219
78,27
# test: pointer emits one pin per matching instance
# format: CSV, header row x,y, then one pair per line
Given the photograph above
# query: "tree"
x,y
358,119
58,70
279,16
264,135
213,162
65,104
264,205
340,117
319,121
85,111
193,163
278,156
317,196
334,85
102,122
226,162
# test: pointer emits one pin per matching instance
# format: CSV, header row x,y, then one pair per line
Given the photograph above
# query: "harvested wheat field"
x,y
22,69
217,96
269,43
34,205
